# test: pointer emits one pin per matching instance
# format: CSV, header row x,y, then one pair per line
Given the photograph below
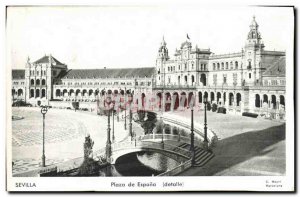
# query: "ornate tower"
x,y
252,58
162,57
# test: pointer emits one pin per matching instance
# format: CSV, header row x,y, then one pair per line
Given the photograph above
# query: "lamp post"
x,y
205,125
125,94
44,110
130,119
162,130
192,149
108,142
119,106
113,125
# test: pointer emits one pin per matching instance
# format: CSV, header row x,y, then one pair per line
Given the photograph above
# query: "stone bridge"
x,y
126,147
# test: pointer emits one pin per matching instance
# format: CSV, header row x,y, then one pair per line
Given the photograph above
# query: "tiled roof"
x,y
277,69
18,74
110,73
268,61
45,59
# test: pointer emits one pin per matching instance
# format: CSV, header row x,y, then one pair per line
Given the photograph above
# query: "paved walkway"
x,y
247,146
64,133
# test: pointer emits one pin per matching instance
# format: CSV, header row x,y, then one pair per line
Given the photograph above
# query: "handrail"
x,y
171,137
147,145
176,170
197,127
151,145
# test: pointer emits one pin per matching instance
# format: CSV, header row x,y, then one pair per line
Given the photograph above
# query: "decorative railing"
x,y
137,143
170,137
184,122
229,55
174,87
178,169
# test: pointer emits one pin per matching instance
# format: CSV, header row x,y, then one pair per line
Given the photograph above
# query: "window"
x,y
249,64
226,65
214,66
236,65
224,78
249,75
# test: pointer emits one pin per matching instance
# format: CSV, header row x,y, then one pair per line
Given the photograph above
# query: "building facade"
x,y
252,80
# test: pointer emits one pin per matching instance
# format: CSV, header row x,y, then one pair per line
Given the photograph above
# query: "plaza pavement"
x,y
64,133
247,146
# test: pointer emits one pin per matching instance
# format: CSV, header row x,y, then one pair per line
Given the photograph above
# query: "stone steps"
x,y
201,156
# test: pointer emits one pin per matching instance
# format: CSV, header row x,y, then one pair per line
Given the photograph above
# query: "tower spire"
x,y
254,34
163,42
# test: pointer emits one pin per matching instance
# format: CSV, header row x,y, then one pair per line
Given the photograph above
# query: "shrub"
x,y
214,107
21,104
249,114
222,110
75,105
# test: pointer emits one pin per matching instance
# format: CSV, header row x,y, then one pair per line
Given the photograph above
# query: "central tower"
x,y
253,53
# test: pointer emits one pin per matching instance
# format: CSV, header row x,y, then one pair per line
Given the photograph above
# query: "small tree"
x,y
214,107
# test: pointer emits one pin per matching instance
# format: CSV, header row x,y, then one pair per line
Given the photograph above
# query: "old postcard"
x,y
150,98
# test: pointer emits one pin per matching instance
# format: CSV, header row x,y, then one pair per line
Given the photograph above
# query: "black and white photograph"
x,y
149,98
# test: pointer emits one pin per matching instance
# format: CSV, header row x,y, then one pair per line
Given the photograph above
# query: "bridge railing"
x,y
171,137
198,128
151,145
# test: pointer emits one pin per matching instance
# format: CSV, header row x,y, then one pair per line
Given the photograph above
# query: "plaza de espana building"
x,y
252,80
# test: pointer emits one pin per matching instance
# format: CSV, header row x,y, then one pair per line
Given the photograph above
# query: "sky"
x,y
120,36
